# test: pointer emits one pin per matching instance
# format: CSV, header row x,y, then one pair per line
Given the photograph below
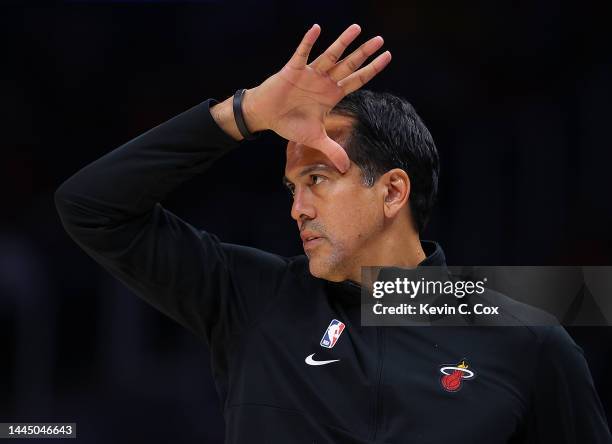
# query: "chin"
x,y
324,270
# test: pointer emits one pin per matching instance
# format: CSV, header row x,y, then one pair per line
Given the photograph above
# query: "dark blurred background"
x,y
517,95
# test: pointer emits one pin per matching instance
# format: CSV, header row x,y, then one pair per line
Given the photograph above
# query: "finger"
x,y
365,74
300,56
333,151
352,62
329,58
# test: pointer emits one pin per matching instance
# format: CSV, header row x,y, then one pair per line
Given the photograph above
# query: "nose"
x,y
302,207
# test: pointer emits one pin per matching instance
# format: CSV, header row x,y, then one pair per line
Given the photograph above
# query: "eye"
x,y
316,179
291,189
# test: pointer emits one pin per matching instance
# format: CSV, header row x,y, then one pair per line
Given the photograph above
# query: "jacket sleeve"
x,y
111,209
567,408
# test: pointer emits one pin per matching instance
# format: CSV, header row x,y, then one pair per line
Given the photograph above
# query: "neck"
x,y
398,246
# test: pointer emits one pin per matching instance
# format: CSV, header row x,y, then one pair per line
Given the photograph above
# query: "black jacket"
x,y
265,318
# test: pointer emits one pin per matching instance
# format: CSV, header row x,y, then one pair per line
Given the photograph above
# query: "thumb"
x,y
334,151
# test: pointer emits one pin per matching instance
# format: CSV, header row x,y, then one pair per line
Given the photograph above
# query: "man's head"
x,y
391,184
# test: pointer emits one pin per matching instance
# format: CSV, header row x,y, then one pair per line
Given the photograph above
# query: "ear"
x,y
396,190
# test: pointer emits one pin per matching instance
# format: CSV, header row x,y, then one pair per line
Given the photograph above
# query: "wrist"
x,y
251,112
223,115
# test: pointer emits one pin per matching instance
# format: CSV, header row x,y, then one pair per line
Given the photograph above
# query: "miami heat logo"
x,y
453,375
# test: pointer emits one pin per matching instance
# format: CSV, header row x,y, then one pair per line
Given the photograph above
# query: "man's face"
x,y
338,216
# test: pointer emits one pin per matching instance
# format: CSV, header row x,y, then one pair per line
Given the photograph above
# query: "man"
x,y
291,362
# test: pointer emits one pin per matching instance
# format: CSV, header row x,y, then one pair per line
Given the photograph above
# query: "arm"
x,y
111,207
566,407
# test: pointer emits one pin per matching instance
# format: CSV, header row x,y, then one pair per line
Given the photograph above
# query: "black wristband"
x,y
239,117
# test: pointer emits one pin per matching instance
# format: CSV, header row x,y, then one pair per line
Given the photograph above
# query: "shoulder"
x,y
557,346
513,313
264,265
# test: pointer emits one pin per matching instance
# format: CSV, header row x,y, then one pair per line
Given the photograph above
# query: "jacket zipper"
x,y
377,400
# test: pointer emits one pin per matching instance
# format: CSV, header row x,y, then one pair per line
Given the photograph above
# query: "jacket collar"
x,y
434,257
434,253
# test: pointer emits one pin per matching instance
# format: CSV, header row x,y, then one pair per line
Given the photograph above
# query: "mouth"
x,y
311,242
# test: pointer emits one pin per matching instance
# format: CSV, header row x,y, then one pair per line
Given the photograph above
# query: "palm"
x,y
302,95
308,96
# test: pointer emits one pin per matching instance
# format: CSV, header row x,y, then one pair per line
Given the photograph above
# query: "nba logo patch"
x,y
333,332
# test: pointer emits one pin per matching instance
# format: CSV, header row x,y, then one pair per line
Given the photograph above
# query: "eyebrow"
x,y
308,170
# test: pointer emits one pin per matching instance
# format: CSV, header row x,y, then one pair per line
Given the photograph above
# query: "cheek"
x,y
357,219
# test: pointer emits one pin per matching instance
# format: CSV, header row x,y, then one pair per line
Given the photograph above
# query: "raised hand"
x,y
294,101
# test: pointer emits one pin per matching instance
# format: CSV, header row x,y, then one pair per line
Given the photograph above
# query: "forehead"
x,y
300,156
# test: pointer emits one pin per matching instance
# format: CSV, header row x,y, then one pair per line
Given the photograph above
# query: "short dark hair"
x,y
389,134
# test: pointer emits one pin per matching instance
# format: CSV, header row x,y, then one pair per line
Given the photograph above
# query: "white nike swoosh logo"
x,y
311,361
